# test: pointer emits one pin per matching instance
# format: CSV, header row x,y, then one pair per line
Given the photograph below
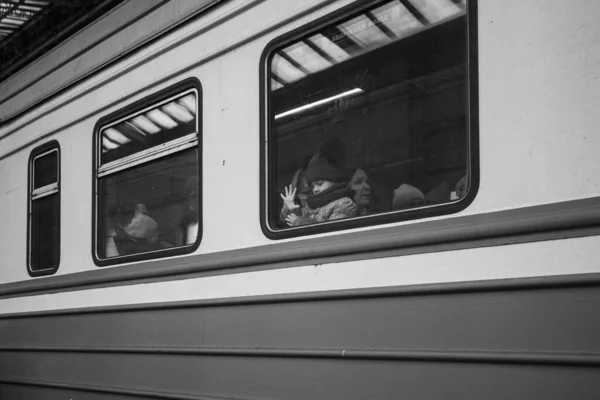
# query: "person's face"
x,y
319,186
362,190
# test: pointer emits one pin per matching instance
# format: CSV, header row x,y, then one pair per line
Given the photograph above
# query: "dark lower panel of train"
x,y
503,343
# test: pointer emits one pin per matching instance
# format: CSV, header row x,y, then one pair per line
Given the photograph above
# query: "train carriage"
x,y
320,199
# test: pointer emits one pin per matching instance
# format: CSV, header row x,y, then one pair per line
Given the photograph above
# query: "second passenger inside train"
x,y
362,191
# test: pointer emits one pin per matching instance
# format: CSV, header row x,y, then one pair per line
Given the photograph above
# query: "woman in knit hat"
x,y
331,198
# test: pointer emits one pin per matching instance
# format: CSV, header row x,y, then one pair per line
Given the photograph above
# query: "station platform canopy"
x,y
30,28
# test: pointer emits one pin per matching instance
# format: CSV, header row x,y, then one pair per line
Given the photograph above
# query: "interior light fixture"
x,y
319,102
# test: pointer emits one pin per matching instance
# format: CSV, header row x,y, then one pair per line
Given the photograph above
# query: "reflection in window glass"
x,y
172,119
148,180
369,115
44,217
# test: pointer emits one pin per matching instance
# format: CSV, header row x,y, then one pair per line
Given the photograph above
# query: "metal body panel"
x,y
526,342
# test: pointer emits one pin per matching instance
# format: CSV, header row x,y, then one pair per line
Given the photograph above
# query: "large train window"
x,y
43,253
147,189
369,117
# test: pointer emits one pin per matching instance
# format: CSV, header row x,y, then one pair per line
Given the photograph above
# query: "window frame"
x,y
179,88
38,152
472,121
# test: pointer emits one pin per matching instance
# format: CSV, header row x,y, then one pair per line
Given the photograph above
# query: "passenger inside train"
x,y
132,230
331,197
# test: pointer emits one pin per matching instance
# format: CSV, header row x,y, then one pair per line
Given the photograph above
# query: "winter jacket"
x,y
327,206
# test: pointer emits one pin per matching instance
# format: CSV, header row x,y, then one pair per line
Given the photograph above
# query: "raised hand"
x,y
288,199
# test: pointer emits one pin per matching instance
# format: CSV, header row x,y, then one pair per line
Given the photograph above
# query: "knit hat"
x,y
407,196
319,169
327,164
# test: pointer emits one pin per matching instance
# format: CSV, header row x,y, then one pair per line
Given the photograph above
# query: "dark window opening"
x,y
44,210
45,233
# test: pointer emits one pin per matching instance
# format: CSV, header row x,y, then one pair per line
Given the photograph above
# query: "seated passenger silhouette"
x,y
407,196
132,231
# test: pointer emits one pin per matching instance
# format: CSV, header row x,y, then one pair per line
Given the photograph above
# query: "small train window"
x,y
43,253
147,161
368,118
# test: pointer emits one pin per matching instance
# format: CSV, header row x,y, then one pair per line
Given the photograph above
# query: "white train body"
x,y
501,293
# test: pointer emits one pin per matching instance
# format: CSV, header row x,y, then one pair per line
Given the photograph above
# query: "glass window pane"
x,y
170,120
45,233
45,170
151,207
382,127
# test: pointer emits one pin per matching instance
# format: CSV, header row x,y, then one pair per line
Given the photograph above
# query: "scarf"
x,y
337,191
